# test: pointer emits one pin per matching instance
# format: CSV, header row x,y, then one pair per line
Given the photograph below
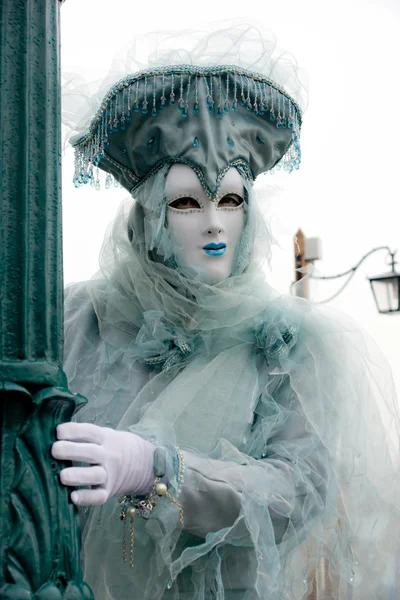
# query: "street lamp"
x,y
386,290
385,287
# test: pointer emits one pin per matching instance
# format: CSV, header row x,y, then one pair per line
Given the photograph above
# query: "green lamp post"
x,y
39,532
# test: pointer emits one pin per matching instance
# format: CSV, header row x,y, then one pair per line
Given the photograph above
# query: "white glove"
x,y
122,462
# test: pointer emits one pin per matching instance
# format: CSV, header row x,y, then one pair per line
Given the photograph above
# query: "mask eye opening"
x,y
185,202
231,200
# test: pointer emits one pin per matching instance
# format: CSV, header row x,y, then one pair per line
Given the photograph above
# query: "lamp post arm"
x,y
351,272
340,290
354,269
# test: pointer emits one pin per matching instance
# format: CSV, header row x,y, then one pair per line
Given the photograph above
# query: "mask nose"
x,y
214,225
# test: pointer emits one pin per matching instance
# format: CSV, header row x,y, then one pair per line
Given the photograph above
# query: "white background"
x,y
347,190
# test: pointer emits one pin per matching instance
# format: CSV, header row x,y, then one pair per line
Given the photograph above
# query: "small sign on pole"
x,y
301,285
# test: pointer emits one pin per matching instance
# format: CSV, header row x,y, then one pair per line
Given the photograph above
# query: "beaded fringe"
x,y
137,93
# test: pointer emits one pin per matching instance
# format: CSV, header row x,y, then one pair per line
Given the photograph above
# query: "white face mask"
x,y
205,233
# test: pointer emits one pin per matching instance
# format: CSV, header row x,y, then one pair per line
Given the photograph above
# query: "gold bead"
x,y
161,489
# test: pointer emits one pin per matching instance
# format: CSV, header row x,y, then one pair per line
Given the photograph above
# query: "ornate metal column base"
x,y
39,529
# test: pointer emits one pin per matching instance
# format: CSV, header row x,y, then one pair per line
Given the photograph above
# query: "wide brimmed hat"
x,y
211,117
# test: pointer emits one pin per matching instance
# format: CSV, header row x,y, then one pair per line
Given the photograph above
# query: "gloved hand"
x,y
122,462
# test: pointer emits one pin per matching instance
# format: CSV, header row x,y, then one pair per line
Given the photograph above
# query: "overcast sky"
x,y
346,191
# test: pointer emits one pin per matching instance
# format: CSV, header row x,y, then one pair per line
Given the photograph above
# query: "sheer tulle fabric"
x,y
289,403
237,43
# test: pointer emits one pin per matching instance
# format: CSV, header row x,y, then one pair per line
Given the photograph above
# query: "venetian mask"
x,y
205,233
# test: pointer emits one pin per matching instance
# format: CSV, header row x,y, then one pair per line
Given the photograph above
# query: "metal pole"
x,y
39,533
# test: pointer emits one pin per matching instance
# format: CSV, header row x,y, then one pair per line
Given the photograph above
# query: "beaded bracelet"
x,y
143,506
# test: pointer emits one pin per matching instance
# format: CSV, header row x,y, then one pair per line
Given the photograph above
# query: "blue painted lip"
x,y
214,249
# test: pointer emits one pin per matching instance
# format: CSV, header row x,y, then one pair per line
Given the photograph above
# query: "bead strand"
x,y
132,507
181,470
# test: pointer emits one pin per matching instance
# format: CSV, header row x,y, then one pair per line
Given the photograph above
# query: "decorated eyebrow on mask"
x,y
190,202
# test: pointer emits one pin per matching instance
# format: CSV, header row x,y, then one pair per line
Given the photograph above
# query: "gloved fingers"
x,y
83,476
89,497
79,451
80,432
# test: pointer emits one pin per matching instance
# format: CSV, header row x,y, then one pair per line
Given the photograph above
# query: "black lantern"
x,y
386,291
